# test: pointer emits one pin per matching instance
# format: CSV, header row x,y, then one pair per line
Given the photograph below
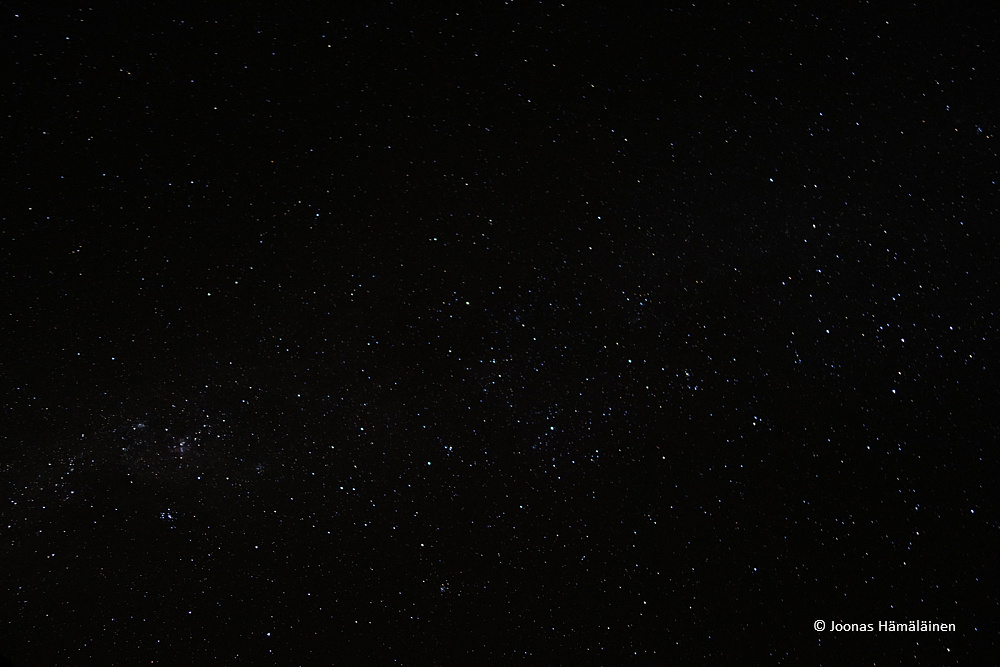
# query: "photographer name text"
x,y
883,626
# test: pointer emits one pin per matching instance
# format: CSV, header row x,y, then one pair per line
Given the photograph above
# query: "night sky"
x,y
488,332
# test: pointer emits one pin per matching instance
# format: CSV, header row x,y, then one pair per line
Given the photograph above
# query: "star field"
x,y
477,333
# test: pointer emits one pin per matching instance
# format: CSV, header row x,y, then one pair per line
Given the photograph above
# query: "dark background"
x,y
467,333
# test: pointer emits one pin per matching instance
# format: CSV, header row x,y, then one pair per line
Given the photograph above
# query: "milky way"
x,y
385,334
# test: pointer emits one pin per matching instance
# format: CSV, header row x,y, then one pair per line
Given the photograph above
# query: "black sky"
x,y
466,333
